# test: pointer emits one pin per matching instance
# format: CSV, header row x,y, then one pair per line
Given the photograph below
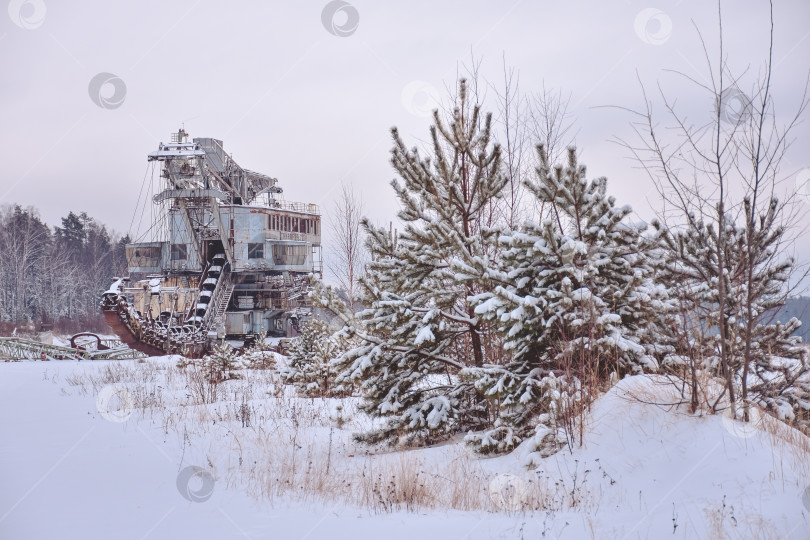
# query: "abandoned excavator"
x,y
229,259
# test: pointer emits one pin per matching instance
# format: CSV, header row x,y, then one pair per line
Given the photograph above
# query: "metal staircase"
x,y
220,299
222,303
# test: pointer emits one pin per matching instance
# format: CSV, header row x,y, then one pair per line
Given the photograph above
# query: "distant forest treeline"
x,y
52,279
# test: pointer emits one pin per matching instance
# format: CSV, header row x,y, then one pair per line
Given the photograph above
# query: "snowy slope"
x,y
657,472
646,471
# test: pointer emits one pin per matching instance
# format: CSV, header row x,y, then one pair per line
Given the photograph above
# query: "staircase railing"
x,y
222,289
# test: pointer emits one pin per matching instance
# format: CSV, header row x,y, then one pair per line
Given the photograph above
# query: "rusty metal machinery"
x,y
84,346
232,259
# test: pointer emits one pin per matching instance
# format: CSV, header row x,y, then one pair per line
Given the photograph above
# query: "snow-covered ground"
x,y
258,462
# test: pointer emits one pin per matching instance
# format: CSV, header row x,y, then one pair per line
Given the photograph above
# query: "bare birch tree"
x,y
348,261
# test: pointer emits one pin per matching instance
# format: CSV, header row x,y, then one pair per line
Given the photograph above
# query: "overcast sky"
x,y
309,96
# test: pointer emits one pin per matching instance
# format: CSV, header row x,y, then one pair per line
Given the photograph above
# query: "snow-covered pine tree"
x,y
764,363
419,329
311,370
717,176
575,299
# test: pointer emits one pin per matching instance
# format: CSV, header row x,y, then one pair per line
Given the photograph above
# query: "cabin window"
x,y
256,251
143,256
289,254
179,252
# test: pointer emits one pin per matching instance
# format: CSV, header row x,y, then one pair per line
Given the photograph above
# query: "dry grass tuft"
x,y
260,436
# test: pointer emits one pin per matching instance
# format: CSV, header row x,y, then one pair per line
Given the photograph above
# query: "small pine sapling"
x,y
221,364
311,357
260,355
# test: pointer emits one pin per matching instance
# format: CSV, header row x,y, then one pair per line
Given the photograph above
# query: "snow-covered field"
x,y
255,461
